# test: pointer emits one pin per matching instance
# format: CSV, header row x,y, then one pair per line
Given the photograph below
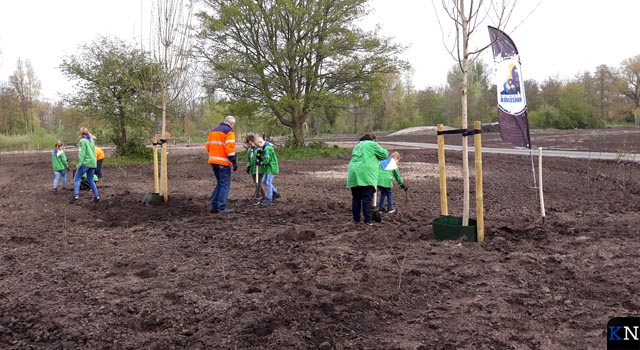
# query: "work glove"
x,y
235,166
259,154
404,188
248,169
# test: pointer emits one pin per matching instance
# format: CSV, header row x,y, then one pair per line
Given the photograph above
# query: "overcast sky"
x,y
559,38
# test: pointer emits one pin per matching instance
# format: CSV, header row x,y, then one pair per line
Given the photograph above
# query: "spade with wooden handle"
x,y
377,217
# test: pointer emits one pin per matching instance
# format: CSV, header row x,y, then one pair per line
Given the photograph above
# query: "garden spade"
x,y
257,182
377,217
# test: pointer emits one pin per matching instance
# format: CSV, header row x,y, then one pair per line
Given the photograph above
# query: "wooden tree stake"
x,y
164,174
444,209
156,175
479,195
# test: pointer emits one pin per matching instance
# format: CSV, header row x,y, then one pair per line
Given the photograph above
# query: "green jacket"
x,y
95,177
251,159
365,164
385,178
87,155
59,160
269,164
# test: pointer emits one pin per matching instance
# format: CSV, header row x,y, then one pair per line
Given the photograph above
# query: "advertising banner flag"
x,y
512,104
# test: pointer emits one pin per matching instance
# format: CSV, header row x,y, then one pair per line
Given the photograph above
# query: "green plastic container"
x,y
448,227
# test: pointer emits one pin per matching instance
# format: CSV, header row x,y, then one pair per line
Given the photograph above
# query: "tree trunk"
x,y
123,131
465,150
165,97
465,153
298,132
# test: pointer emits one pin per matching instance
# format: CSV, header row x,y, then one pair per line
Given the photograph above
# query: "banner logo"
x,y
510,87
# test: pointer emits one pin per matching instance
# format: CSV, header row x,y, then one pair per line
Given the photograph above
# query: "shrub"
x,y
135,148
310,151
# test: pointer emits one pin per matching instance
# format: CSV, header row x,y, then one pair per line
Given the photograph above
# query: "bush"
x,y
310,151
135,148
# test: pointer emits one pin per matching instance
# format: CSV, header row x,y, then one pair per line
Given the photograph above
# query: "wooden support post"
x,y
479,195
156,175
164,174
444,209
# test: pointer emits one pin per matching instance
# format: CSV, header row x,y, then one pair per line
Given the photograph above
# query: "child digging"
x,y
266,156
253,166
389,172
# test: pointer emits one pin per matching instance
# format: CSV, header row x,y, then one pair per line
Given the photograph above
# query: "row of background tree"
x,y
607,96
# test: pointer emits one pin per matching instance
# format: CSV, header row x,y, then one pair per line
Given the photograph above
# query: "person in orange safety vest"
x,y
99,158
221,146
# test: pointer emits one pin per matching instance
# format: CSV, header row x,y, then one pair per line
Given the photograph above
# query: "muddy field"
x,y
300,275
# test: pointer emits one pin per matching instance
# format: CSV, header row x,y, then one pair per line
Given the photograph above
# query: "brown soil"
x,y
600,140
300,275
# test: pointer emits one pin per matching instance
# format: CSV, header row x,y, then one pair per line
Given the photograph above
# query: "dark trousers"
x,y
99,169
362,200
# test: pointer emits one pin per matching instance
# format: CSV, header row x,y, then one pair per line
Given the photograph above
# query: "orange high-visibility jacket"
x,y
221,145
99,153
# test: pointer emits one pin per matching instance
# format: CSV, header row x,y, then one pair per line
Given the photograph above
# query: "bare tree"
x,y
630,83
171,49
26,86
466,21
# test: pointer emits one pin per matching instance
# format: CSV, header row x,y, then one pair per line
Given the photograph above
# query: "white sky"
x,y
560,38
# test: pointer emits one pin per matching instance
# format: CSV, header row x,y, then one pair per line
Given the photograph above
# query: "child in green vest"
x,y
60,166
252,167
266,156
386,175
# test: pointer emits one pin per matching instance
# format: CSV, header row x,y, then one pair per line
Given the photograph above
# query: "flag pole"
x,y
533,169
540,180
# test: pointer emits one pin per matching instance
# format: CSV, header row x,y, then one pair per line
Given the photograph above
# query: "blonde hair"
x,y
395,155
85,131
59,144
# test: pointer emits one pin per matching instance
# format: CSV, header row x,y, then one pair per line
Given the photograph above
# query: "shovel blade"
x,y
377,217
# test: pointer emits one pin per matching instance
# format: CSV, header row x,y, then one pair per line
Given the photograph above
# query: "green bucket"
x,y
448,227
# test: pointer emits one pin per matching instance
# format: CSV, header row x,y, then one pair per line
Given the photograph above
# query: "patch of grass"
x,y
128,160
27,142
311,151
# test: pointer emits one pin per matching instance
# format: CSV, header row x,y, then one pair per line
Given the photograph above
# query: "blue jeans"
x,y
268,181
221,191
78,178
62,174
385,192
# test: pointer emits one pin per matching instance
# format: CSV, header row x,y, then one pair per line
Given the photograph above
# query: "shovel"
x,y
377,217
257,184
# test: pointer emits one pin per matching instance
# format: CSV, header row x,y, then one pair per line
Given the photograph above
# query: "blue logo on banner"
x,y
512,85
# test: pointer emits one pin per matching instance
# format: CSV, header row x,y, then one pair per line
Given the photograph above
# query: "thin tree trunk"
x,y
465,150
164,110
123,131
